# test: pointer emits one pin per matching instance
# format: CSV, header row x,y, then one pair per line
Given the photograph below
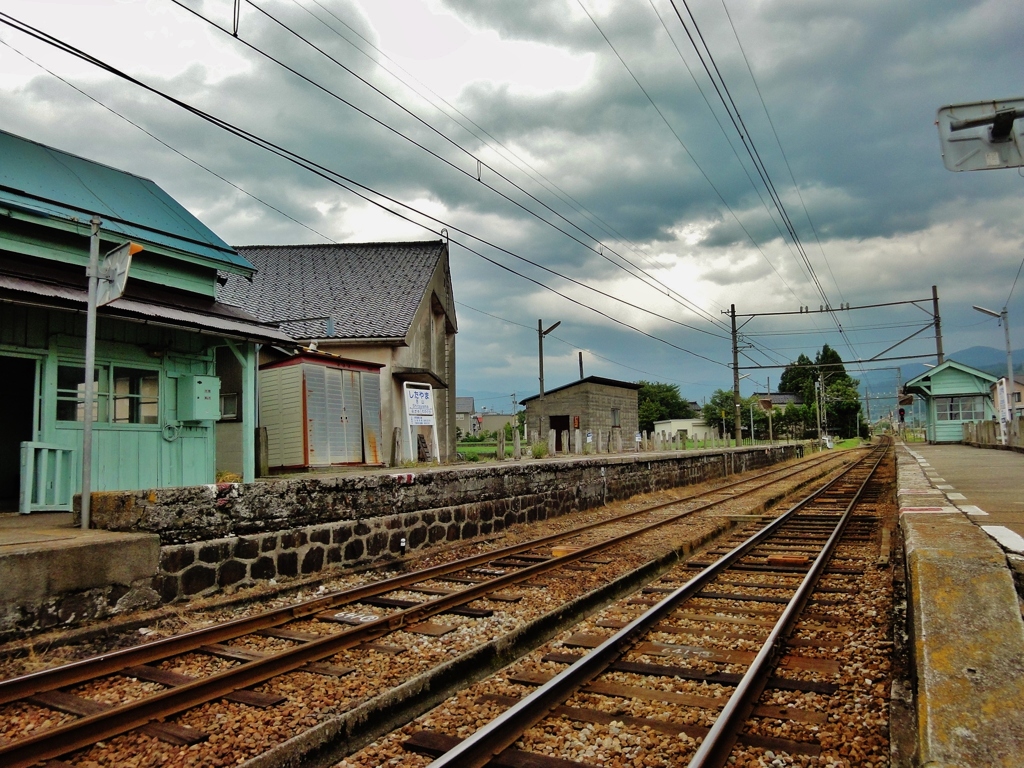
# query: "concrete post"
x,y
517,448
600,441
578,441
500,453
551,442
396,446
618,440
566,448
262,451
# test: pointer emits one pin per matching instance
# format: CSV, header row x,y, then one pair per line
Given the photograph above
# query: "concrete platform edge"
x,y
966,628
62,580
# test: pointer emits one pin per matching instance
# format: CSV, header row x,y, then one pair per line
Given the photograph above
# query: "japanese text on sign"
x,y
419,402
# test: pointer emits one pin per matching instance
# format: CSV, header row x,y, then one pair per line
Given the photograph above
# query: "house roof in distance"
x,y
588,380
781,398
46,185
369,290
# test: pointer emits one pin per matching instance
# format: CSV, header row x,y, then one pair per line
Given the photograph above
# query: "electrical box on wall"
x,y
198,398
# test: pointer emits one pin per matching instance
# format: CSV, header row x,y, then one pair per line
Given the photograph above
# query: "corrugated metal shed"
x,y
44,182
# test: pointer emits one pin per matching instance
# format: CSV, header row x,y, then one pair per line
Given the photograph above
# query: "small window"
x,y
228,407
616,417
71,393
136,396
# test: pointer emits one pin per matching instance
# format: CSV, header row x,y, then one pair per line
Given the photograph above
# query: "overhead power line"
x,y
568,343
502,150
331,176
635,271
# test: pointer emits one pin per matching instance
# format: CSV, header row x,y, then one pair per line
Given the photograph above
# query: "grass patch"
x,y
853,442
481,451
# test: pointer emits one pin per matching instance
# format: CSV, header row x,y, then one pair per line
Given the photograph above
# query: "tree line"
x,y
822,384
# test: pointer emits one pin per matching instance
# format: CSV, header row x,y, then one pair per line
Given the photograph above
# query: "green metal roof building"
x,y
954,393
157,345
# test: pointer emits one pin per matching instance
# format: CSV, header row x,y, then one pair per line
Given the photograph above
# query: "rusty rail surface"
x,y
87,730
501,733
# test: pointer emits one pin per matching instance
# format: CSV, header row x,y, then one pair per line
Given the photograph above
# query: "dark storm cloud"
x,y
852,90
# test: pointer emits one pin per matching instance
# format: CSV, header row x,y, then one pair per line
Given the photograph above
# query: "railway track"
x,y
706,666
151,696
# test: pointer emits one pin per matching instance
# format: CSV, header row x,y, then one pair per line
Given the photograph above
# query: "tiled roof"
x,y
369,290
464,405
588,380
781,398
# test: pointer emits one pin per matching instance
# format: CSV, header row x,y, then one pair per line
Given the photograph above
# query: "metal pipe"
x,y
90,371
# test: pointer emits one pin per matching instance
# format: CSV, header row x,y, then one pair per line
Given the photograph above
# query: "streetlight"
x,y
541,333
1004,318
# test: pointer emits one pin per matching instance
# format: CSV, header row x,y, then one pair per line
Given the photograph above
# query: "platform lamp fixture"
x,y
107,280
1005,320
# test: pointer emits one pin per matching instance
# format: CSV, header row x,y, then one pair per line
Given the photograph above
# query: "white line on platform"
x,y
970,509
956,496
1009,539
944,487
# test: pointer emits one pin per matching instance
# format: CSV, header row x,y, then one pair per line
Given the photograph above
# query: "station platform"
x,y
985,483
966,629
54,573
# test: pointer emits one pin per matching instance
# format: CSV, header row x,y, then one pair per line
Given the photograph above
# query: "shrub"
x,y
539,450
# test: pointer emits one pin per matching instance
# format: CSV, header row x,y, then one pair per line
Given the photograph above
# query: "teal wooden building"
x,y
157,345
953,394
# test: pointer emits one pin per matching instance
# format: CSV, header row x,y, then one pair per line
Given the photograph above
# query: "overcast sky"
x,y
586,137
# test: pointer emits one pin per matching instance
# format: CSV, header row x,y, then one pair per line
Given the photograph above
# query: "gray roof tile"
x,y
371,290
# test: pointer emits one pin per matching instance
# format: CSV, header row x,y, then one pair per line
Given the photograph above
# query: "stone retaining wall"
x,y
225,535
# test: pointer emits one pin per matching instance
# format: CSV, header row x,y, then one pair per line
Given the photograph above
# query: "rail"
x,y
502,732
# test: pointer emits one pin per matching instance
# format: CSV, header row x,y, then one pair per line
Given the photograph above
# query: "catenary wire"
x,y
577,346
495,144
333,177
643,276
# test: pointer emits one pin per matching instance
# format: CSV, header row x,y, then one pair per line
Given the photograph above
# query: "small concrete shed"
x,y
592,404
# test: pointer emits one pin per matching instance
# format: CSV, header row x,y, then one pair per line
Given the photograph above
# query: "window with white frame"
x,y
124,395
963,408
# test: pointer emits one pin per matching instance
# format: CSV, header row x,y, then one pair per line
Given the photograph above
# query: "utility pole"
x,y
1004,318
541,333
938,325
824,412
90,372
818,409
581,366
737,411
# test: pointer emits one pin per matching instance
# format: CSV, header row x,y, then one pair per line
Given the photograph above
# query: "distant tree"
x,y
841,407
830,362
720,411
799,378
657,402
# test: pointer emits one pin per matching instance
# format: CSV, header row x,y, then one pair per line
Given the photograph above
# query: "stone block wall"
x,y
215,537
